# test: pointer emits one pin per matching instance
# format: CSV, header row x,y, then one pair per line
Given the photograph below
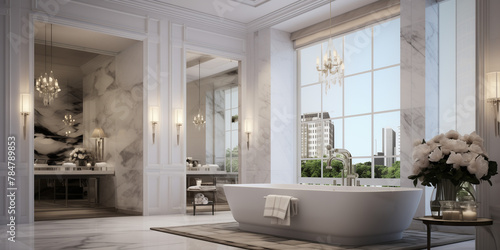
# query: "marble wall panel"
x,y
114,102
258,167
283,109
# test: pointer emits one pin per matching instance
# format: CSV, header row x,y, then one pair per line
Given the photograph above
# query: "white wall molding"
x,y
202,38
77,10
188,17
293,10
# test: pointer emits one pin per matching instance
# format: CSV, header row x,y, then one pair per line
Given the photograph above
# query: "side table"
x,y
429,221
204,189
210,203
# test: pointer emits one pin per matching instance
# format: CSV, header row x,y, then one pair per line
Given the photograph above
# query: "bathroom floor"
x,y
131,232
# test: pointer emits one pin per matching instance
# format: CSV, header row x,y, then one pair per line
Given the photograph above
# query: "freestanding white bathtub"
x,y
328,214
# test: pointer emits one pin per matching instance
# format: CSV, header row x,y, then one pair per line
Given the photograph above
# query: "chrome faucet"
x,y
345,157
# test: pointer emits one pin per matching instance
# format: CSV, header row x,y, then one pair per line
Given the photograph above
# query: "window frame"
x,y
372,113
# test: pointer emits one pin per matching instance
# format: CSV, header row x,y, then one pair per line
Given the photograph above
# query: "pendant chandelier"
x,y
331,70
47,84
69,120
198,119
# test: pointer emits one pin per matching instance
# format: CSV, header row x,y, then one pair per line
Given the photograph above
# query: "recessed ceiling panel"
x,y
253,3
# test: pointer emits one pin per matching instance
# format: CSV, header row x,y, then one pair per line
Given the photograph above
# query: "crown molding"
x,y
186,16
288,12
220,25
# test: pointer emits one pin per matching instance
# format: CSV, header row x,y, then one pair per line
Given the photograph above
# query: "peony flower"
x,y
436,155
452,134
467,158
455,159
432,145
475,149
81,156
438,138
475,139
447,146
421,151
460,146
482,168
420,164
478,166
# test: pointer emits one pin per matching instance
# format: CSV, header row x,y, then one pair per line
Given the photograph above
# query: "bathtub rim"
x,y
326,188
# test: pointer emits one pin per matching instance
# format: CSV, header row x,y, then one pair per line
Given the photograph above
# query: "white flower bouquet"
x,y
80,154
454,157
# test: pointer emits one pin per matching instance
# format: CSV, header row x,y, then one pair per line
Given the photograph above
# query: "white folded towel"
x,y
194,188
279,209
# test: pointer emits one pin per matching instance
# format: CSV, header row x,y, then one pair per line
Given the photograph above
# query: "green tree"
x,y
232,164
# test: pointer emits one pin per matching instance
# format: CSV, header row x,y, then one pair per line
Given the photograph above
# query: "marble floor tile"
x,y
131,232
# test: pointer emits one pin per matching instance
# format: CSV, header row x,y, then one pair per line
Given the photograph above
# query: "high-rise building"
x,y
388,145
316,134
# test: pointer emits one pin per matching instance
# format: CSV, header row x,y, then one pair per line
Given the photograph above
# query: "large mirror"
x,y
212,124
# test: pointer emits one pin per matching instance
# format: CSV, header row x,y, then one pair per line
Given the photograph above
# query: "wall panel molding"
x,y
181,15
215,41
93,14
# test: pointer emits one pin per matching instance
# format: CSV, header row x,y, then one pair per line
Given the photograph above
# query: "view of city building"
x,y
317,133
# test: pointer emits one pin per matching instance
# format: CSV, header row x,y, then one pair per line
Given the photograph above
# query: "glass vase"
x,y
466,192
443,191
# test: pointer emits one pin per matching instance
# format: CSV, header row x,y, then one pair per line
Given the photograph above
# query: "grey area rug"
x,y
229,234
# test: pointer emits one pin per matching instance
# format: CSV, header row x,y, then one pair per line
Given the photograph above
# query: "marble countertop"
x,y
74,172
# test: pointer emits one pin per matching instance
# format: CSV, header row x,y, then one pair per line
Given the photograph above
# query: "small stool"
x,y
210,203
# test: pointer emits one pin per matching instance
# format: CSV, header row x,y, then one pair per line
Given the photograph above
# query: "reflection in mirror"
x,y
212,149
212,92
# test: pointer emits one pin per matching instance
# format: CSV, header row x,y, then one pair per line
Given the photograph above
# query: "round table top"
x,y
434,221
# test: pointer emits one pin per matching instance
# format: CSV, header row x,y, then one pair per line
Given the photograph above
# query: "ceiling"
x,y
243,13
230,9
71,44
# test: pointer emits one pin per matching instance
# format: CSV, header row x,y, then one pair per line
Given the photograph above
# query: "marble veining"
x,y
131,232
113,102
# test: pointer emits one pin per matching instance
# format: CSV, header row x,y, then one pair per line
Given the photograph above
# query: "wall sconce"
x,y
248,130
492,93
25,110
178,122
99,136
154,119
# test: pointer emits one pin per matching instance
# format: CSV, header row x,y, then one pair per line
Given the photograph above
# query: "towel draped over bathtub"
x,y
280,208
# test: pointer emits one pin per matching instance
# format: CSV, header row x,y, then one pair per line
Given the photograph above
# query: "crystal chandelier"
x,y
69,120
198,120
331,70
47,84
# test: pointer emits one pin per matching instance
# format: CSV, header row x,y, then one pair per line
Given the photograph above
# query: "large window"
x,y
361,115
231,129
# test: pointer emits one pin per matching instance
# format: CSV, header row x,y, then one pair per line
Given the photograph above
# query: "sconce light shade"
x,y
248,129
248,126
25,110
155,114
492,82
25,103
178,122
98,133
178,117
492,95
